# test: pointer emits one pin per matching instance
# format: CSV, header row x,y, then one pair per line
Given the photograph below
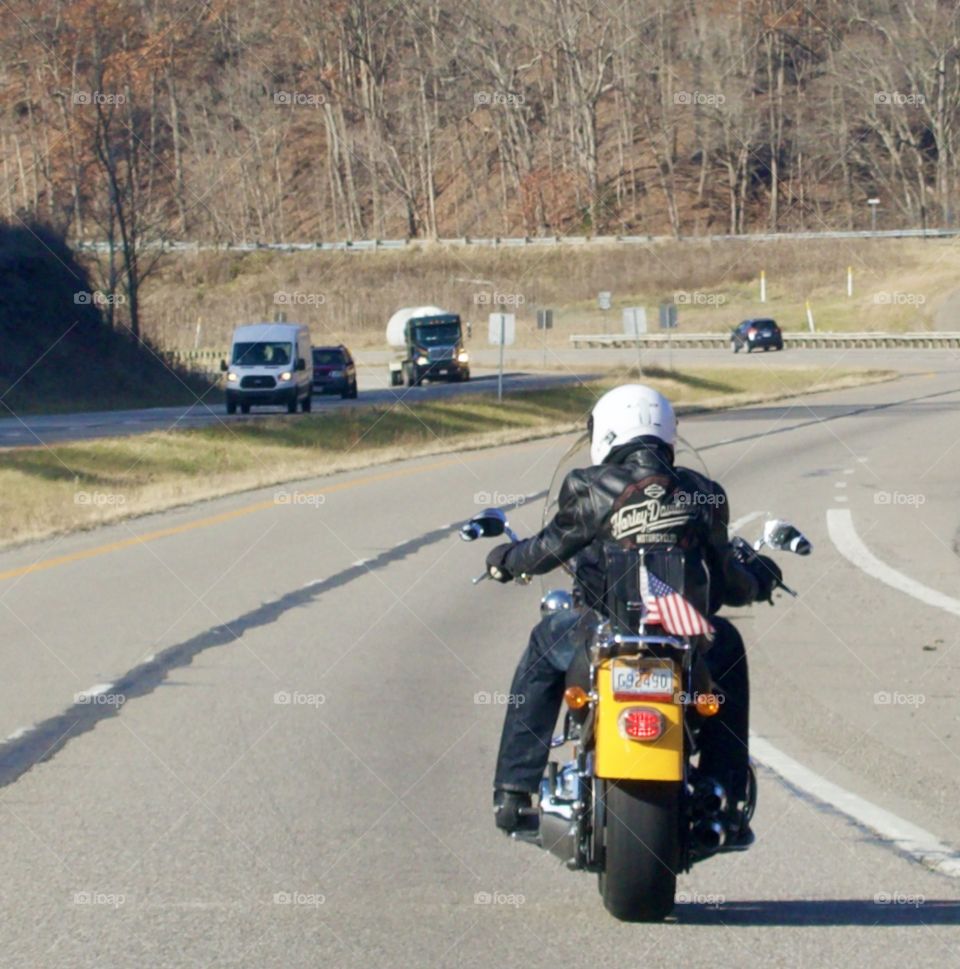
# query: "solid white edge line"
x,y
848,543
907,837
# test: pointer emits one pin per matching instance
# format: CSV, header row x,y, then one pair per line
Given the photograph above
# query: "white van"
x,y
270,363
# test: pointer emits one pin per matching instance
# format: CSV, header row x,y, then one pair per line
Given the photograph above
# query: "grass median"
x,y
65,487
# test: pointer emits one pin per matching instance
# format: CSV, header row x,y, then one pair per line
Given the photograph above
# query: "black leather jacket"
x,y
637,499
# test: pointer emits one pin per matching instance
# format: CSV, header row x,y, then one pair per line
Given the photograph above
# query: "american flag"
x,y
666,606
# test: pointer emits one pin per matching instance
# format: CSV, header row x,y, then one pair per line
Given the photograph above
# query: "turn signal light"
x,y
639,723
576,697
707,704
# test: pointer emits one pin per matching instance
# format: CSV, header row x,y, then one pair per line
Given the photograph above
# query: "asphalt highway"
x,y
253,733
525,368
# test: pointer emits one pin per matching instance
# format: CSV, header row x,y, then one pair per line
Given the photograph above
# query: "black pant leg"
x,y
535,700
724,739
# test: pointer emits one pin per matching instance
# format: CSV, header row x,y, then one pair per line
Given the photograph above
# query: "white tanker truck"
x,y
429,346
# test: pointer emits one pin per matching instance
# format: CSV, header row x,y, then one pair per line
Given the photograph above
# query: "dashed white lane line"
x,y
907,837
743,520
96,690
848,543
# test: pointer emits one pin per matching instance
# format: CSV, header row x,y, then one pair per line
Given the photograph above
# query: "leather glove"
x,y
495,567
768,575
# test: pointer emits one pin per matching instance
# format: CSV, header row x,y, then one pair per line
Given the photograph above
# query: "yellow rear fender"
x,y
620,719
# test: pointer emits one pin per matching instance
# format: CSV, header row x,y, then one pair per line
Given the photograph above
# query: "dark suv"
x,y
334,371
753,334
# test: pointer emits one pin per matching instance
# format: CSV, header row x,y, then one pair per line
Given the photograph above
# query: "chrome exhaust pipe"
x,y
709,836
558,824
709,799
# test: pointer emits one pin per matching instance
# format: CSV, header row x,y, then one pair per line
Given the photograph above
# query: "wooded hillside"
x,y
316,119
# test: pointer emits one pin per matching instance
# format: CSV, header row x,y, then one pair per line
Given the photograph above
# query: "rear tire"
x,y
306,404
642,850
735,345
244,408
353,391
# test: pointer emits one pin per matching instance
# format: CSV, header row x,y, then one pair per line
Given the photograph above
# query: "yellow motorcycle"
x,y
629,804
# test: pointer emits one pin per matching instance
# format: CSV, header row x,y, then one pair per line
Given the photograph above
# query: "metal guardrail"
x,y
379,245
719,341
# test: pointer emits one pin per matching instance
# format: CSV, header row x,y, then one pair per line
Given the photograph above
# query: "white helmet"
x,y
628,412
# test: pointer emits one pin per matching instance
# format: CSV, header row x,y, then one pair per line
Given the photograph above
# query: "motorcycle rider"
x,y
633,496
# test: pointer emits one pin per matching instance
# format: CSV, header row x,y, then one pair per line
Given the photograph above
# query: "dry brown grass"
x,y
352,295
62,488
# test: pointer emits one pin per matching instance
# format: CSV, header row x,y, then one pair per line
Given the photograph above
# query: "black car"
x,y
334,371
754,334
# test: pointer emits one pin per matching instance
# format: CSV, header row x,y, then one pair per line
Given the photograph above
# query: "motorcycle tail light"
x,y
641,723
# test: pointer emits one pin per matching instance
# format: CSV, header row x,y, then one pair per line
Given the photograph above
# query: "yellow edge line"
x,y
211,520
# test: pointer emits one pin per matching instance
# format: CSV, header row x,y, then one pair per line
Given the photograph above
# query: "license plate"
x,y
650,681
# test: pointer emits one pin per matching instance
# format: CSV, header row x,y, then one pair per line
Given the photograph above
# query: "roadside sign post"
x,y
502,333
668,322
544,323
635,323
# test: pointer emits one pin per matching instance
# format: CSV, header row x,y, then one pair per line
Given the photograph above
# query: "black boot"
x,y
513,811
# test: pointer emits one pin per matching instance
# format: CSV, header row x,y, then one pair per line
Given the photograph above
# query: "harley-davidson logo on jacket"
x,y
647,514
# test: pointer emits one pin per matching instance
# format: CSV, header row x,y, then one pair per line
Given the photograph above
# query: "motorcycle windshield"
x,y
578,456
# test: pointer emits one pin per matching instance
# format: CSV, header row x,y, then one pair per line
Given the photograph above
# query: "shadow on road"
x,y
825,912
